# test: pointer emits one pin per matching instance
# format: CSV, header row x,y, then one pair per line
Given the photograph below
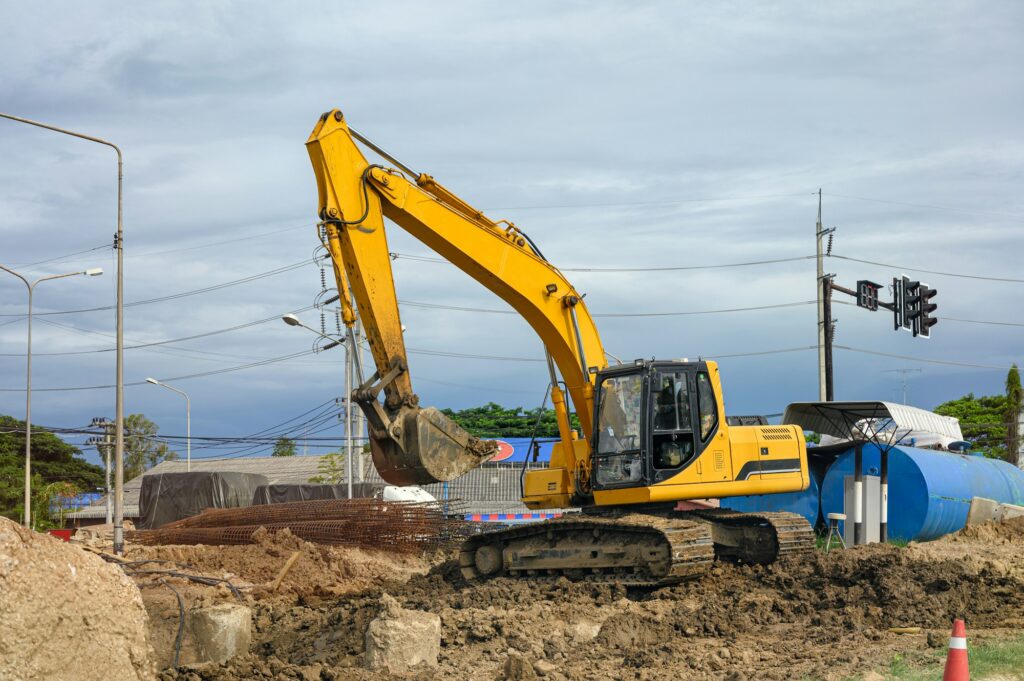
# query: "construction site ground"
x,y
821,617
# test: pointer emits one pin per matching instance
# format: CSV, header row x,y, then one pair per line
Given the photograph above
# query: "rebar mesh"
x,y
365,523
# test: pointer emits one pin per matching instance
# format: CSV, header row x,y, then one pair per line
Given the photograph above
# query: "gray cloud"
x,y
653,134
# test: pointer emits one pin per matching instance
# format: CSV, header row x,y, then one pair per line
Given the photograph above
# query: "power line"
x,y
141,345
630,204
928,206
764,352
948,319
979,321
250,365
672,268
247,237
62,257
938,272
699,312
457,308
922,359
183,294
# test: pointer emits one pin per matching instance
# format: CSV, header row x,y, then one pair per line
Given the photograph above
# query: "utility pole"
x,y
829,327
105,446
824,314
359,423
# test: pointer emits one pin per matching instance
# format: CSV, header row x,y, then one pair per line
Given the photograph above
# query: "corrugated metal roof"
x,y
872,421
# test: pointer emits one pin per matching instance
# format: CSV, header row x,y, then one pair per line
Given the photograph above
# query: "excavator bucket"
x,y
425,446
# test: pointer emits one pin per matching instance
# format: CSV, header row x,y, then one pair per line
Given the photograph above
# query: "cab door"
x,y
715,462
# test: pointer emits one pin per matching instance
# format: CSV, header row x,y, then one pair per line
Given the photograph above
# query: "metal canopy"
x,y
883,423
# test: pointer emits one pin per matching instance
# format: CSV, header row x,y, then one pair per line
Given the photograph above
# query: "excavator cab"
x,y
652,421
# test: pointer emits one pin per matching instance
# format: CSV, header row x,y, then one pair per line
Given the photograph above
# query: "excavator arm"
x,y
410,444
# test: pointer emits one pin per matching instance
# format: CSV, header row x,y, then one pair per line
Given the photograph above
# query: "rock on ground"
x,y
66,613
222,631
400,639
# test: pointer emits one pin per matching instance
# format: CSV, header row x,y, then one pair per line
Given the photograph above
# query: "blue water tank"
x,y
929,491
806,503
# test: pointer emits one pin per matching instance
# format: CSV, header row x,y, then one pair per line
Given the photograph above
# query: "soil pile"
x,y
993,545
822,616
66,613
1007,531
319,571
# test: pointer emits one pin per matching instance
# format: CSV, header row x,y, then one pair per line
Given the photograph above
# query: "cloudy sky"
x,y
618,135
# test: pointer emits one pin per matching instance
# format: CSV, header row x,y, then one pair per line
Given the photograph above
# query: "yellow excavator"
x,y
654,433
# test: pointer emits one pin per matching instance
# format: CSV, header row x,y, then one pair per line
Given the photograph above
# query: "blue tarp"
x,y
520,450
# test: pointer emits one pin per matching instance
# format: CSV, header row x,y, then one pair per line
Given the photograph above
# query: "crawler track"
x,y
640,550
637,549
757,537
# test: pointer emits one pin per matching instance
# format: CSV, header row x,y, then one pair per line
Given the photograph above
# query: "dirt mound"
x,y
734,622
319,571
61,605
1006,531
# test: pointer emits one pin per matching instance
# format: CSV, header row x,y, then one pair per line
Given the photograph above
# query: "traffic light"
x,y
909,305
867,294
925,320
897,303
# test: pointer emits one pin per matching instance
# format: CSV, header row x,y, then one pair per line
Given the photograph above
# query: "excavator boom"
x,y
411,445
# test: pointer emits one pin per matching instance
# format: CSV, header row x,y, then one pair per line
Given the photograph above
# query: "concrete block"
x,y
221,631
1007,511
398,639
982,511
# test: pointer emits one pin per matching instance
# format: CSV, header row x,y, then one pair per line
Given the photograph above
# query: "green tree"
x,y
284,447
53,461
142,451
330,469
1013,407
982,421
51,503
493,420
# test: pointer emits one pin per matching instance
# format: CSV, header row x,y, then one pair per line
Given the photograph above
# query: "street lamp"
x,y
292,320
93,272
119,331
188,420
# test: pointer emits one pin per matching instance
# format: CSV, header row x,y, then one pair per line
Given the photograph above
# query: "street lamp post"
x,y
292,320
188,420
119,390
28,378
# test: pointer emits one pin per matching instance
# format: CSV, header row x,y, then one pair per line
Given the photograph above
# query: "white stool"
x,y
833,530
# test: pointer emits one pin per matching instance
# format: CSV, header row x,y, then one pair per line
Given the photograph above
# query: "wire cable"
x,y
182,294
670,268
928,206
924,271
922,359
457,308
140,345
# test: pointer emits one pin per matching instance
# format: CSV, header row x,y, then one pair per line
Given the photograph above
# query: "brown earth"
x,y
66,613
320,571
822,617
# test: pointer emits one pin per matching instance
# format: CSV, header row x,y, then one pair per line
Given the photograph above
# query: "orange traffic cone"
x,y
956,660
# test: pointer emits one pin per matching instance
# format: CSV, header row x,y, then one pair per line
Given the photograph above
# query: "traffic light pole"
x,y
829,331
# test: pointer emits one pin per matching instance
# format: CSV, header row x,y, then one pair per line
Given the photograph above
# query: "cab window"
x,y
707,409
673,428
618,420
672,403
